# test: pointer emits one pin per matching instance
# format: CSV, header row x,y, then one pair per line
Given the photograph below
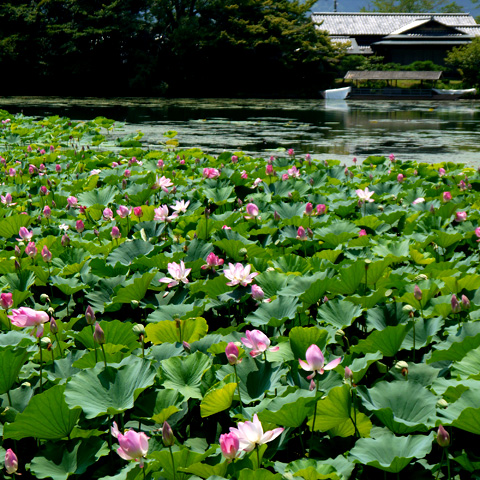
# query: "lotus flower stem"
x,y
354,419
9,398
59,346
258,457
315,409
173,461
104,357
94,346
238,384
41,364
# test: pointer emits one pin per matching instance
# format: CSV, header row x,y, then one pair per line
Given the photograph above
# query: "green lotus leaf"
x,y
359,366
47,417
338,313
391,453
391,314
185,373
396,249
290,410
204,470
116,333
299,285
446,239
456,285
341,467
68,286
101,196
350,278
469,366
388,341
465,412
159,405
171,312
9,227
189,330
220,196
275,313
219,397
370,301
404,407
425,330
12,360
108,391
271,282
136,290
259,474
288,210
457,344
127,252
72,459
290,264
213,287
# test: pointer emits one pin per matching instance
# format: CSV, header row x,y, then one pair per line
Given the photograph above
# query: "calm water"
x,y
423,130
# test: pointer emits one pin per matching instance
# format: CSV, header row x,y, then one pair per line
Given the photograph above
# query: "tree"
x,y
413,6
466,60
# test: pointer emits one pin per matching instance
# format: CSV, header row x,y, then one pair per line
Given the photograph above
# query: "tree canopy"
x,y
175,47
466,60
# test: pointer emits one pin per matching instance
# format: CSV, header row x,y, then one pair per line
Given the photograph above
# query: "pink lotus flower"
x,y
291,152
47,211
301,233
258,342
99,334
137,211
161,214
447,196
417,293
418,200
321,209
232,352
234,159
460,216
229,445
250,434
180,206
212,262
441,172
7,199
27,317
133,445
364,195
127,173
362,233
107,214
178,272
163,183
6,300
244,174
293,172
11,462
238,274
285,176
252,211
123,211
477,233
456,307
392,157
31,250
24,235
211,173
46,254
316,361
115,233
12,172
269,170
72,202
257,293
443,437
160,164
58,168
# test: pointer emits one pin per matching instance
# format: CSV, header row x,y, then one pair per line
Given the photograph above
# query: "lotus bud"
x,y
17,265
348,375
90,315
65,241
99,334
167,435
11,462
455,304
339,334
442,403
186,346
276,216
6,300
465,302
139,329
408,309
45,342
18,252
53,326
231,351
312,385
243,252
44,298
443,437
309,209
417,293
134,304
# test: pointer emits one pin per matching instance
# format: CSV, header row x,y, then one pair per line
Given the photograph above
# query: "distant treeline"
x,y
163,47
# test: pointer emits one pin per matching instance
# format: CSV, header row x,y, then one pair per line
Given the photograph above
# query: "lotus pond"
x,y
174,315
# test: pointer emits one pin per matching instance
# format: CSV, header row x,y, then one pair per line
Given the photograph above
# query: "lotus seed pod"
x,y
420,277
442,403
408,309
44,298
401,365
243,252
45,342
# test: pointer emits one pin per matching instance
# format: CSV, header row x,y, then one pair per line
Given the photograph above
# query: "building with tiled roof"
x,y
400,37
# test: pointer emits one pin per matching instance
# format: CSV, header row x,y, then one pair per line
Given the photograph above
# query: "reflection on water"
x,y
419,130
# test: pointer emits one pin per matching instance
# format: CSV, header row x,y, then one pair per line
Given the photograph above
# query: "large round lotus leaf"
x,y
390,453
404,407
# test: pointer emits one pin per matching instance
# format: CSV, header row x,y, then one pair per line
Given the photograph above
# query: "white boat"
x,y
336,93
454,93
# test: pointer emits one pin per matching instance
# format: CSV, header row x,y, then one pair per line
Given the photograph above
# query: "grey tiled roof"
x,y
384,23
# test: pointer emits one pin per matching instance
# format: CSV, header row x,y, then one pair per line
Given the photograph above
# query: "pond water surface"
x,y
417,130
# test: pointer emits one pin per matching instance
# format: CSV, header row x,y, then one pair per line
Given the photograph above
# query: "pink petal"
x,y
332,364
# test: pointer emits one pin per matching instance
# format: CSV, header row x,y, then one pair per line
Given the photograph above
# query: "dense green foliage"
x,y
414,6
467,60
375,265
140,47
